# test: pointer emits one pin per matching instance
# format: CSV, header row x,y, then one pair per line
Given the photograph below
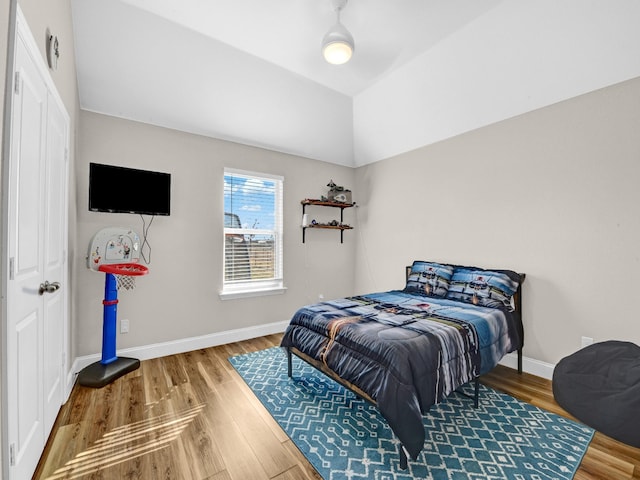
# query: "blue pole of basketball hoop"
x,y
109,321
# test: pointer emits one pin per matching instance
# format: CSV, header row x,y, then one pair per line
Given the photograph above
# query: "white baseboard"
x,y
146,352
156,350
529,365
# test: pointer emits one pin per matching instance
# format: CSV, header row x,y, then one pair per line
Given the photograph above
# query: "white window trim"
x,y
276,286
229,294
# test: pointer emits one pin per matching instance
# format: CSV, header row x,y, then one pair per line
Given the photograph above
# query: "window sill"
x,y
258,292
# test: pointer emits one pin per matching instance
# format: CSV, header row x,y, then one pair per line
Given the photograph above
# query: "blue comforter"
x,y
406,351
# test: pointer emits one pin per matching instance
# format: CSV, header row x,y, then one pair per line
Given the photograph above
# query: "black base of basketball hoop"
x,y
97,375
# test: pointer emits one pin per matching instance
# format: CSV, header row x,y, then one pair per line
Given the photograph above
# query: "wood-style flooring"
x,y
191,416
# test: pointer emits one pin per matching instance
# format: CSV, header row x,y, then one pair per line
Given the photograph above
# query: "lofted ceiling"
x,y
288,33
251,71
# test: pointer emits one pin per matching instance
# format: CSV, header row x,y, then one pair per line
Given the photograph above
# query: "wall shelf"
x,y
322,203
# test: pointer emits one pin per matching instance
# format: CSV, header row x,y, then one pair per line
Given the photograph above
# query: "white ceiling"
x,y
251,70
288,33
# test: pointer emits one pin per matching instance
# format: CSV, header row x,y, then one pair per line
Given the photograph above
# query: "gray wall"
x,y
552,193
178,299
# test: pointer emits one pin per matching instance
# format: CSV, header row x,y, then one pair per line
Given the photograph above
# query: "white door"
x,y
54,261
37,236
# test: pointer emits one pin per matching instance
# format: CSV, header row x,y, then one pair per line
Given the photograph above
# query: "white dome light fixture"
x,y
338,44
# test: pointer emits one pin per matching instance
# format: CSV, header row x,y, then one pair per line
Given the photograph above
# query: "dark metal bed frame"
x,y
403,458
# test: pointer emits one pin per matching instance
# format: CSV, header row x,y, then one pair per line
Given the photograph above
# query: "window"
x,y
252,234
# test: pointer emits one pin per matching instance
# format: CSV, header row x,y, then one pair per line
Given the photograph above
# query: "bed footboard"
x,y
328,372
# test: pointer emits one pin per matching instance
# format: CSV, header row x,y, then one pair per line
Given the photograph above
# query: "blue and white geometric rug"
x,y
345,437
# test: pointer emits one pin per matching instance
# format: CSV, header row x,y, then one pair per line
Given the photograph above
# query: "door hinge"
x,y
63,358
12,455
16,85
12,266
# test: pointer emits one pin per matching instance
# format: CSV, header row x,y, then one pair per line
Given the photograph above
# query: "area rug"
x,y
344,437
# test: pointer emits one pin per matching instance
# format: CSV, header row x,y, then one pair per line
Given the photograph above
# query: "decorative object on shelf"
x,y
338,193
338,44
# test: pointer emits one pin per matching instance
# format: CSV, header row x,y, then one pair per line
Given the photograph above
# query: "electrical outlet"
x,y
320,296
124,326
586,341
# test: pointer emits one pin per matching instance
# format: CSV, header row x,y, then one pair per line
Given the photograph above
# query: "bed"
x,y
405,350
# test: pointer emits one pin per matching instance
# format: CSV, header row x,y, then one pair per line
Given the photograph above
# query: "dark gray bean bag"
x,y
600,386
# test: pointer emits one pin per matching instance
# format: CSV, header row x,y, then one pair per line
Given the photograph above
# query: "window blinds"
x,y
252,228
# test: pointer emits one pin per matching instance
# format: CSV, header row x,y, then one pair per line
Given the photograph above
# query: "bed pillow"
x,y
486,288
429,278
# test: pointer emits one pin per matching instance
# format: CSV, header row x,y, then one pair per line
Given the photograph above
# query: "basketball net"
x,y
128,282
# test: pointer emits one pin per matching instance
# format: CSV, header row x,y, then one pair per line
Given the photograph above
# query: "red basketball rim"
x,y
130,269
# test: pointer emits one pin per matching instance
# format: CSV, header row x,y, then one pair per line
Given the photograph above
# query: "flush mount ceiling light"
x,y
337,44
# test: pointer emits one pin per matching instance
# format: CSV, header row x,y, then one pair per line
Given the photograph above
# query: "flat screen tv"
x,y
128,190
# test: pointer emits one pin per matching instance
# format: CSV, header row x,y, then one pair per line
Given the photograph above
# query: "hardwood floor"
x,y
191,416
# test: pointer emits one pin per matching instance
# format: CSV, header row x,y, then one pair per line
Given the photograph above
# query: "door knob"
x,y
48,287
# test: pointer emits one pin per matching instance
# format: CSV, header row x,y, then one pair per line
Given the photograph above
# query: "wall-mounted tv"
x,y
128,190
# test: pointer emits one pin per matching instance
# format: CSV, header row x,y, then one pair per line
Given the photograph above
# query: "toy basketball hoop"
x,y
115,252
125,273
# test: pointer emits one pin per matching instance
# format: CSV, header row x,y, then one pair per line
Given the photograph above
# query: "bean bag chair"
x,y
600,386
